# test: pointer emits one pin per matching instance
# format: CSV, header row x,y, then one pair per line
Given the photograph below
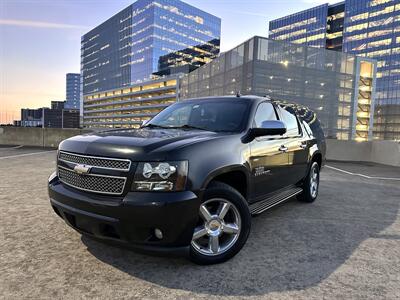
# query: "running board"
x,y
263,205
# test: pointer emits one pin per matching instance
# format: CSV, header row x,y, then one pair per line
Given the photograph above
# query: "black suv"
x,y
189,180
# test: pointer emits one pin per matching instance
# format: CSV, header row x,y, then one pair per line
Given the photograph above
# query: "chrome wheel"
x,y
218,228
314,181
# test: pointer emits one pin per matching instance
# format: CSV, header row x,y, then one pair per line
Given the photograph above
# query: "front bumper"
x,y
130,220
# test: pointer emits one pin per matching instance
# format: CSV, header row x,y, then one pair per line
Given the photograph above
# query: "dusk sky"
x,y
40,40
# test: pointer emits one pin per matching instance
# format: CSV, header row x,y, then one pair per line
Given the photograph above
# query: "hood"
x,y
135,142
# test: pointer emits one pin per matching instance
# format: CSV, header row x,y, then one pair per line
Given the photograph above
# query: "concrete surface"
x,y
382,152
344,246
386,152
33,136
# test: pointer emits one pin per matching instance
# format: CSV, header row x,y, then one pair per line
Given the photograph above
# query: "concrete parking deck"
x,y
344,246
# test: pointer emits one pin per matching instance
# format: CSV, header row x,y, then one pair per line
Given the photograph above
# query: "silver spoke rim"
x,y
205,213
199,232
224,210
218,229
214,244
314,182
231,228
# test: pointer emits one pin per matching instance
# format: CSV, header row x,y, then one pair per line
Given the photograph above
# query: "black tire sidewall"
x,y
224,191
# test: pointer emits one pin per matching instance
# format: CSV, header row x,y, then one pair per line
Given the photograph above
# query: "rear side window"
x,y
290,121
265,112
308,129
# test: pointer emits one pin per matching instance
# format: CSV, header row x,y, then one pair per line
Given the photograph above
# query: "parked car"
x,y
189,180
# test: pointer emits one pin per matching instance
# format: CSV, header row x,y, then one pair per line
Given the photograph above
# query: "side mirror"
x,y
268,128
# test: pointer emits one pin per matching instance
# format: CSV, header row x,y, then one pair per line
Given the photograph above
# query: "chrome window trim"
x,y
96,157
94,175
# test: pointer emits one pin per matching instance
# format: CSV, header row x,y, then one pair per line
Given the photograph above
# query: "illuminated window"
x,y
336,16
294,25
382,74
300,41
381,22
382,63
384,42
334,35
360,47
379,33
359,17
378,2
356,37
316,37
357,27
386,10
379,53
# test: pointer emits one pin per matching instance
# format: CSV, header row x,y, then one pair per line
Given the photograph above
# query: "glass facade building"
x,y
73,91
306,27
146,40
366,28
372,29
339,87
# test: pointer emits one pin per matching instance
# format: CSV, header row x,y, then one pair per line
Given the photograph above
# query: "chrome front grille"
x,y
111,185
94,161
91,181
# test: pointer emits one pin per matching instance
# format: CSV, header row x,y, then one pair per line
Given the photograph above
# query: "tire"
x,y
311,184
223,227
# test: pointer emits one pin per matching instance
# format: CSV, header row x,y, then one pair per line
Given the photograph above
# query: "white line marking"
x,y
16,147
362,175
26,154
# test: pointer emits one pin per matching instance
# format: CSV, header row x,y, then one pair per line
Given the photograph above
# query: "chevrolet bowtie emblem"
x,y
82,169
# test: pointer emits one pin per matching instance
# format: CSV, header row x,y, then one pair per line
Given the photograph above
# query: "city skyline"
x,y
43,49
366,28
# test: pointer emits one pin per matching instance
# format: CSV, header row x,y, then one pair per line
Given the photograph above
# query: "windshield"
x,y
213,115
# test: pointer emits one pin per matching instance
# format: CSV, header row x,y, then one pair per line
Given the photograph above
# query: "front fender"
x,y
223,170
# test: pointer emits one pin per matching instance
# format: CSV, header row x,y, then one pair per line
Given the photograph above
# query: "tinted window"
x,y
290,121
265,112
213,115
307,128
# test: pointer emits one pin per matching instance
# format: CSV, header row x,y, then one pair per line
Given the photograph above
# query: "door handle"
x,y
283,148
303,145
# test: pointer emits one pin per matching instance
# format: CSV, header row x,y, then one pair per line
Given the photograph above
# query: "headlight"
x,y
160,176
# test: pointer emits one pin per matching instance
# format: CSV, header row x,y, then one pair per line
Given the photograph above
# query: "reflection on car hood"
x,y
122,143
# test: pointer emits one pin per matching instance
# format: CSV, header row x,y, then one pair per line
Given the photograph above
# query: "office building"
x,y
60,118
320,27
58,105
339,87
128,107
54,117
73,91
146,40
31,117
366,28
70,118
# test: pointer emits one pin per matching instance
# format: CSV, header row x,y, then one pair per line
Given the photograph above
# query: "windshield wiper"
x,y
187,126
154,126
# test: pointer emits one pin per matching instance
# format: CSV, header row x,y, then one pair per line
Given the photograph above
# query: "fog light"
x,y
158,233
